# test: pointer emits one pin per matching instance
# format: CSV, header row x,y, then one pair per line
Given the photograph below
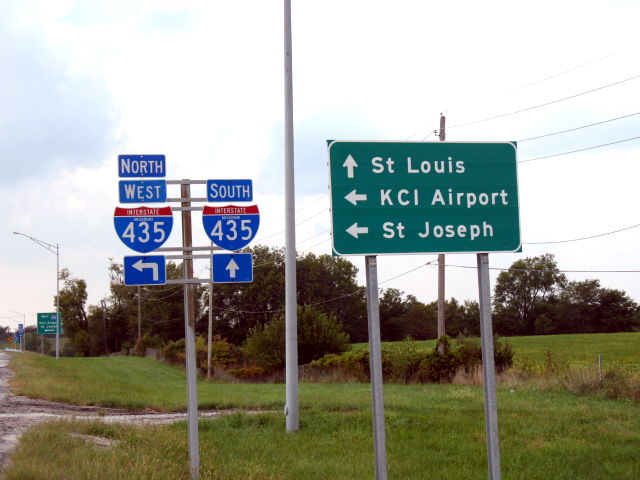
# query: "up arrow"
x,y
355,197
233,267
140,265
349,163
354,230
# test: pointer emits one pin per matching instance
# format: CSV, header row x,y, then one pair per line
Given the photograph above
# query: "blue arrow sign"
x,y
143,229
140,191
231,227
229,191
232,268
141,166
145,270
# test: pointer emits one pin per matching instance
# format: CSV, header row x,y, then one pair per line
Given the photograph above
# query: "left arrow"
x,y
140,265
354,230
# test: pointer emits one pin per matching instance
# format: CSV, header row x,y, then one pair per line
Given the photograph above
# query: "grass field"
x,y
579,350
433,431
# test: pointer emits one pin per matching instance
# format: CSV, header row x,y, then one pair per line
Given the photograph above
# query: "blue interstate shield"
x,y
143,229
231,227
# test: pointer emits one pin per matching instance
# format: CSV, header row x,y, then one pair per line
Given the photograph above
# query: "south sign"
x,y
143,229
231,227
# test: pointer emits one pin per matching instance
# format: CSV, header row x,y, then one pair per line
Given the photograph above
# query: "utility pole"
x,y
104,324
441,329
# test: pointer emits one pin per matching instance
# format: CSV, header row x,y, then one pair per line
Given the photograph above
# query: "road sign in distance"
x,y
140,191
47,323
423,197
145,270
231,227
141,166
143,229
232,268
229,190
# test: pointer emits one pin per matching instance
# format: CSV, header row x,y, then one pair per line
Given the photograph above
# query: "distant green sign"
x,y
423,197
47,323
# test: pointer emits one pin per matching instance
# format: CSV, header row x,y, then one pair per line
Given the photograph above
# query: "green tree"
x,y
393,311
318,334
73,299
522,291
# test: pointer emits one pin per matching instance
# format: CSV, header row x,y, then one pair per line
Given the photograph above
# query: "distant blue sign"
x,y
145,270
229,190
231,227
143,229
141,191
232,268
141,166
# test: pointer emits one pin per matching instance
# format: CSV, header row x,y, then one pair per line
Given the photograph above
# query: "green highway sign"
x,y
47,324
423,197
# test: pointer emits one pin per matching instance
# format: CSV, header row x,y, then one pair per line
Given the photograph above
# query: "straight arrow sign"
x,y
232,267
349,163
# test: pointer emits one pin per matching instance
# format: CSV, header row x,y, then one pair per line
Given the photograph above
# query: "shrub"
x,y
318,335
223,353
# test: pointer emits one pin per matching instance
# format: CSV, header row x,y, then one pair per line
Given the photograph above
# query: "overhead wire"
x,y
579,150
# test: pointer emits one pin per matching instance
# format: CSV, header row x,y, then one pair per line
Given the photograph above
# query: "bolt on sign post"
x,y
425,197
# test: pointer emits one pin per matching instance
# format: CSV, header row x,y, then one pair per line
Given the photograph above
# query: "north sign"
x,y
143,229
423,197
141,191
145,270
232,268
229,190
133,166
231,227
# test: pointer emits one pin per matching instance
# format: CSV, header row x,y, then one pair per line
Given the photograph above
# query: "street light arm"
x,y
48,246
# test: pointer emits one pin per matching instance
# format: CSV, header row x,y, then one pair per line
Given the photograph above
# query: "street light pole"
x,y
56,250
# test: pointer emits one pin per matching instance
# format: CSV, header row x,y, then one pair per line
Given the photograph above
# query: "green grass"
x,y
576,350
433,431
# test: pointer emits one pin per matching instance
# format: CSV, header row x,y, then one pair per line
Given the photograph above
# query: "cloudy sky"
x,y
202,82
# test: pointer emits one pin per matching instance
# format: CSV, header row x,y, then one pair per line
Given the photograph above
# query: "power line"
x,y
546,270
299,223
562,73
579,150
495,117
584,238
577,128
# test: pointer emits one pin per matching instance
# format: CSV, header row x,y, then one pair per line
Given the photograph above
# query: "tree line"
x,y
531,298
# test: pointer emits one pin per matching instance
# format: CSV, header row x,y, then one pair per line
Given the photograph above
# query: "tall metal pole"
x,y
291,319
488,368
441,301
57,301
190,341
210,326
375,365
139,317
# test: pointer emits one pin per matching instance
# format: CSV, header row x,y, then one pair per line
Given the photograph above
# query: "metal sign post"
x,y
375,365
488,368
190,337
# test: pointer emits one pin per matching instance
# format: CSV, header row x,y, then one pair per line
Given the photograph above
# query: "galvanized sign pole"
x,y
375,365
488,368
189,329
291,313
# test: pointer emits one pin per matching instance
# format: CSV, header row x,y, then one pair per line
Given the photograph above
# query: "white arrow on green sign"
x,y
423,197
